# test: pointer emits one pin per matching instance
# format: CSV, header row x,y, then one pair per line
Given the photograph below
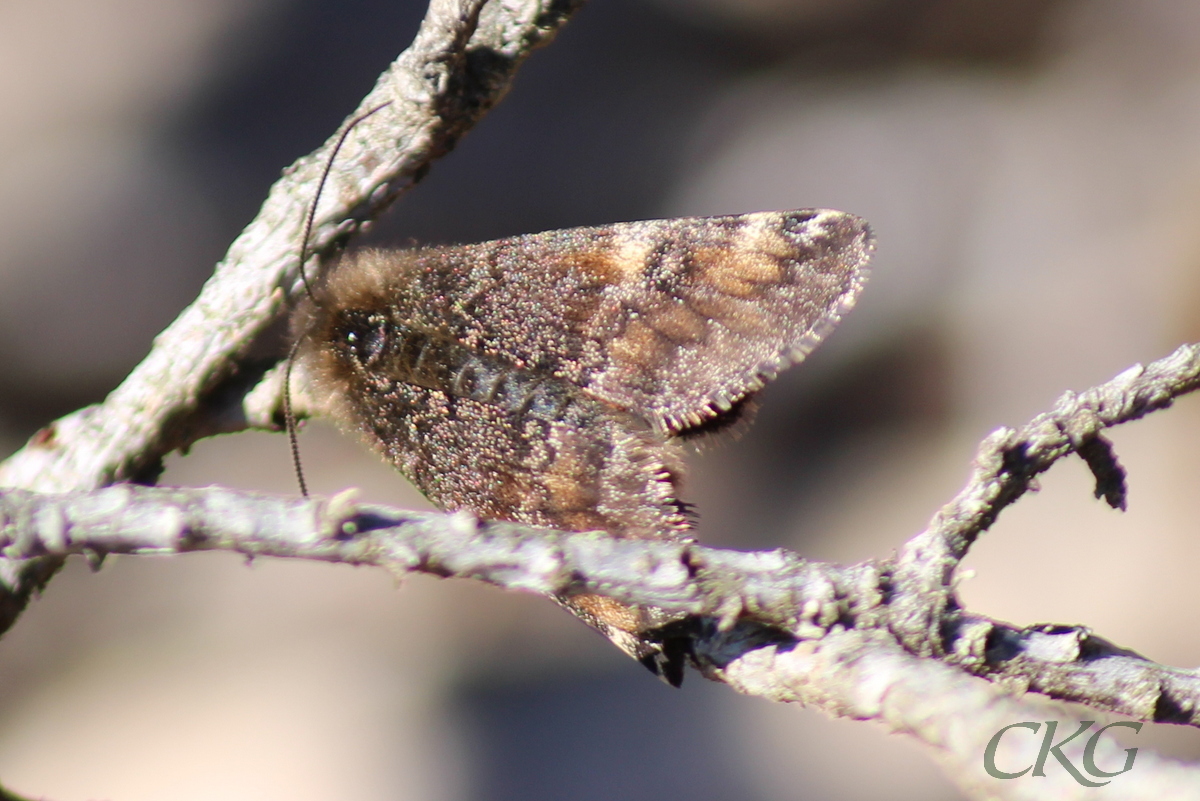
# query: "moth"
x,y
550,379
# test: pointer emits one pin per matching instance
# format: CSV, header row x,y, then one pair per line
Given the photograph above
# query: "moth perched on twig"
x,y
548,379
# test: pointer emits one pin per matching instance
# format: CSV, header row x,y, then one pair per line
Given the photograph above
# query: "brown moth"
x,y
548,379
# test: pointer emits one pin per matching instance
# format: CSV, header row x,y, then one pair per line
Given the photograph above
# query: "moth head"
x,y
346,321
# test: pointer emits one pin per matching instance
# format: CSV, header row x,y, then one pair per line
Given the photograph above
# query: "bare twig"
x,y
866,675
774,590
883,640
460,64
767,587
1006,464
766,623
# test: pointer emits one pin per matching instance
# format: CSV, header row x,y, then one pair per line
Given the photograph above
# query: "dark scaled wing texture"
x,y
672,320
473,428
539,378
578,468
722,305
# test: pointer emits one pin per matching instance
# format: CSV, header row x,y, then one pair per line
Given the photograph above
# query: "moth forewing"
x,y
546,378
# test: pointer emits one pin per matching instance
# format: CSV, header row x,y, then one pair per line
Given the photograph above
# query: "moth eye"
x,y
365,339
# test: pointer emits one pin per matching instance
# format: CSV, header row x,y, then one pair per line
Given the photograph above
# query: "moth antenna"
x,y
312,210
289,416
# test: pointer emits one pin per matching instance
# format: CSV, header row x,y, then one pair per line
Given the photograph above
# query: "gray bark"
x,y
885,640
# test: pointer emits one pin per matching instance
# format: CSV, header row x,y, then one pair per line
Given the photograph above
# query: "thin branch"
x,y
728,586
866,675
453,72
882,640
721,589
460,64
1069,663
768,623
1007,463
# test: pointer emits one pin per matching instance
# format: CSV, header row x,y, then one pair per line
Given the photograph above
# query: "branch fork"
x,y
886,640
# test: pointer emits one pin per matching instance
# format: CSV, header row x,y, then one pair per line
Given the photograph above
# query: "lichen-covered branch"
x,y
774,593
1006,465
767,623
460,64
885,640
866,675
774,588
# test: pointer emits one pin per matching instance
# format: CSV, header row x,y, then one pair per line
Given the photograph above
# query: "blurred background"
x,y
1031,169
